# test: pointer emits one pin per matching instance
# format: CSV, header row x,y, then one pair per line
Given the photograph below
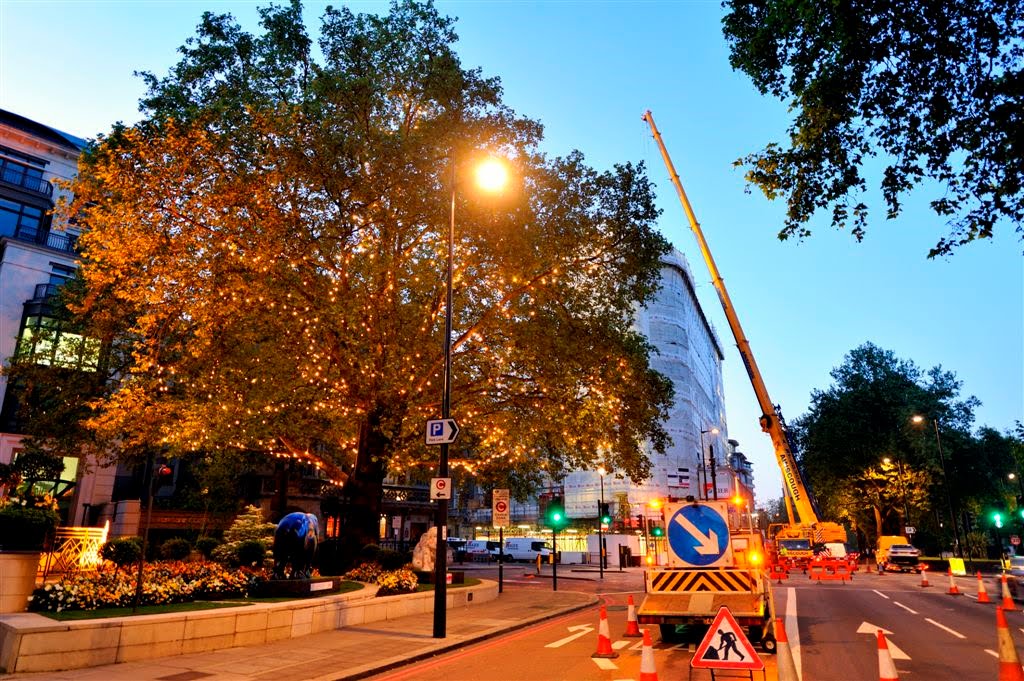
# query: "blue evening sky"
x,y
587,71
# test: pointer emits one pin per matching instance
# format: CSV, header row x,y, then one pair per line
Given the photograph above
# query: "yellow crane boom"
x,y
771,422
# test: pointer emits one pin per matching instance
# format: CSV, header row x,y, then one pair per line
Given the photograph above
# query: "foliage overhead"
x,y
933,90
275,232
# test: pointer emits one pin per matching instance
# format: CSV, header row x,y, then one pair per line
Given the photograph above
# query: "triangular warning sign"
x,y
726,646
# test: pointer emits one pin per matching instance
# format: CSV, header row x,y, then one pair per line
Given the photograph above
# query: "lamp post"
x,y
601,472
491,176
957,546
713,431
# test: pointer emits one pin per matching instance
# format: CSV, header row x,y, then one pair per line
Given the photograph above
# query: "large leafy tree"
x,y
275,228
866,418
931,90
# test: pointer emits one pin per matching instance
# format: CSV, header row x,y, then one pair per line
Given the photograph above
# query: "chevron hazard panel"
x,y
718,581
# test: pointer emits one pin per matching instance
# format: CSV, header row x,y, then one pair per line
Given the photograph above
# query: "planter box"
x,y
17,579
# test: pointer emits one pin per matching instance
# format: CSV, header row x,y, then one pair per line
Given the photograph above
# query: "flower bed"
x,y
389,582
162,583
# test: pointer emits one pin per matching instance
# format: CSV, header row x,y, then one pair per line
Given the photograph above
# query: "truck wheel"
x,y
768,644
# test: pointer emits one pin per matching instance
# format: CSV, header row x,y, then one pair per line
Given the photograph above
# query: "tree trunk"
x,y
364,488
878,521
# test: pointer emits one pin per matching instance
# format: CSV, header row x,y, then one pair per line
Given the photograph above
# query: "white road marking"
x,y
604,663
912,612
992,652
880,594
619,645
793,631
580,629
639,645
895,652
944,627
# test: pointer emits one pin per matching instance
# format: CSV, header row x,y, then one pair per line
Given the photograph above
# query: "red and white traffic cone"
x,y
886,669
982,593
647,670
604,641
924,577
1009,663
784,654
953,590
1008,604
632,628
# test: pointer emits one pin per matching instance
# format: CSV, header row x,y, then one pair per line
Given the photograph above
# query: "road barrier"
x,y
604,641
778,573
886,669
982,593
1009,662
632,628
783,653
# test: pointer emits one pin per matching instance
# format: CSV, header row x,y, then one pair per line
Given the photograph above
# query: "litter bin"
x,y
625,556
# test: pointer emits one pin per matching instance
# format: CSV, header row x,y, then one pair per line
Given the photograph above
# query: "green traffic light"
x,y
607,519
657,531
998,519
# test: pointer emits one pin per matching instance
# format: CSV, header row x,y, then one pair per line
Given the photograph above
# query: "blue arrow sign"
x,y
698,534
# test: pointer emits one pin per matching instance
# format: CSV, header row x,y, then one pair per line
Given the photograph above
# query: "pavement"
x,y
352,652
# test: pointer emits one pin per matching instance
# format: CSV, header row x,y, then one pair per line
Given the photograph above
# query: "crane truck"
x,y
804,521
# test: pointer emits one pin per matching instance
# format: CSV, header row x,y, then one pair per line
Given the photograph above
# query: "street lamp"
x,y
489,178
919,420
601,472
713,431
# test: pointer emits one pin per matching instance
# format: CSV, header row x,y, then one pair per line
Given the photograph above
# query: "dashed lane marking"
x,y
911,611
880,594
992,652
639,645
944,627
619,645
605,663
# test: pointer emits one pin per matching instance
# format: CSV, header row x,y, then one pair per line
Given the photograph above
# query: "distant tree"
x,y
276,226
931,89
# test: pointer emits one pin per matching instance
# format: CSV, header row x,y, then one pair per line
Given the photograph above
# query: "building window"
x,y
42,340
24,176
19,220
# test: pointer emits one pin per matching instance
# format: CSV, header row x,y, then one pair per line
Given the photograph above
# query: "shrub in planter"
x,y
175,549
392,560
122,551
206,545
26,528
251,552
368,554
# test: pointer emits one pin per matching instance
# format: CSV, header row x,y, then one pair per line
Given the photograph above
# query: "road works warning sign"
x,y
726,647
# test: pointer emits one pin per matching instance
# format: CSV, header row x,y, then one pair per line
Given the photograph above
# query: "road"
x,y
830,625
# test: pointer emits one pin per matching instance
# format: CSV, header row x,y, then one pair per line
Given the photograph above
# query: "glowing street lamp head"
x,y
492,175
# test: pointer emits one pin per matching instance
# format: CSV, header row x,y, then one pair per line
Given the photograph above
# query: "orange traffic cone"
x,y
953,591
783,654
982,593
647,670
632,628
604,641
924,577
1009,663
1008,604
886,669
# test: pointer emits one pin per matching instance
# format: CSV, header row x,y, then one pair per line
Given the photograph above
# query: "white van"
x,y
526,548
481,550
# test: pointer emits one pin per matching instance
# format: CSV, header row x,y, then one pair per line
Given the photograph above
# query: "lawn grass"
x,y
470,581
192,606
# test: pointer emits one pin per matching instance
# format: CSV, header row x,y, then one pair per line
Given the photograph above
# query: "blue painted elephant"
x,y
295,541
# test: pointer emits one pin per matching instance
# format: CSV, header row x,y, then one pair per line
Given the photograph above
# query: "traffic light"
x,y
997,519
605,513
657,531
556,513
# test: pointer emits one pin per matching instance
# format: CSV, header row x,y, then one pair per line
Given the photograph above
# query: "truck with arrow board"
x,y
713,562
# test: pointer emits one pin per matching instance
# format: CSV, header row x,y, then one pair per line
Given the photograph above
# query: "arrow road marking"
x,y
708,542
580,629
894,651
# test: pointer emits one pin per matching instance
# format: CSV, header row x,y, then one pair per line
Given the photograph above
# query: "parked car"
x,y
481,550
527,549
902,558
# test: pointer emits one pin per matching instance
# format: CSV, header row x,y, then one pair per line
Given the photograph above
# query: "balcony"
x,y
57,241
24,177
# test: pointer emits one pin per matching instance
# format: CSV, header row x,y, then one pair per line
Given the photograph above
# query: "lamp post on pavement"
x,y
491,176
601,472
957,546
713,431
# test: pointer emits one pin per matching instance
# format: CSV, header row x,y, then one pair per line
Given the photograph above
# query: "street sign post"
x,y
910,529
442,431
500,512
440,488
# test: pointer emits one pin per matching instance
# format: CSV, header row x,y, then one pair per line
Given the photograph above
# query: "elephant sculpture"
x,y
295,542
